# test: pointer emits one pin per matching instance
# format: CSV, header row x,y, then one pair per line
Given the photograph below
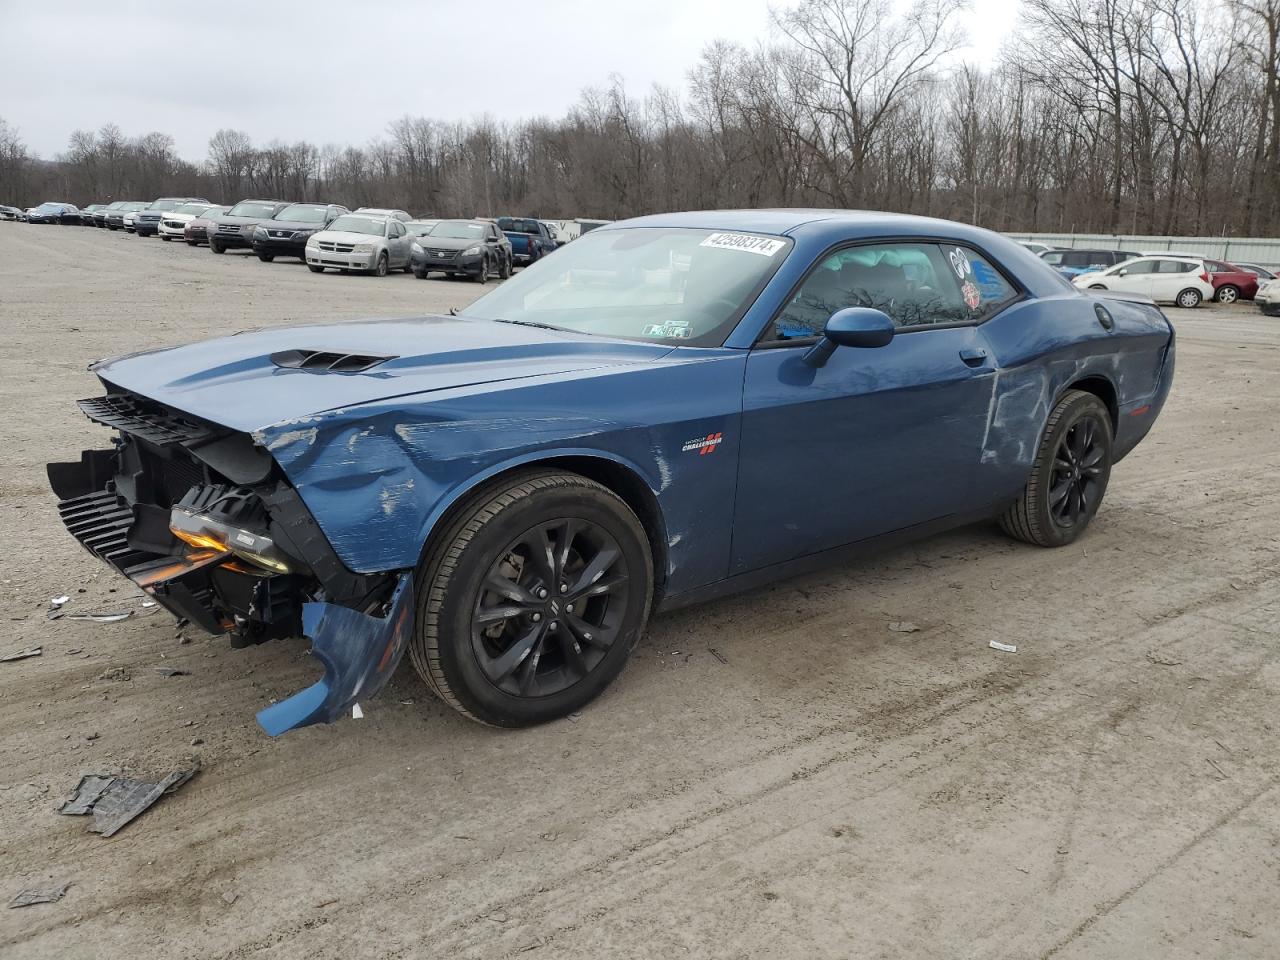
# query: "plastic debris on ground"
x,y
1006,647
114,616
59,601
115,801
903,626
29,897
22,654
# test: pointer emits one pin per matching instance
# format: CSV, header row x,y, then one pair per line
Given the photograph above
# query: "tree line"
x,y
1100,116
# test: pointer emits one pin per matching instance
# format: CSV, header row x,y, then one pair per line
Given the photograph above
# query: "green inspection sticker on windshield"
x,y
671,330
764,246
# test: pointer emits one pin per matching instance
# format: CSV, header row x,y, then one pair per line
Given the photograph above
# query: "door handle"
x,y
973,356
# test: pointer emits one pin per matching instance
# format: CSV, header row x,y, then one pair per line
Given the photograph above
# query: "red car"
x,y
196,231
1231,283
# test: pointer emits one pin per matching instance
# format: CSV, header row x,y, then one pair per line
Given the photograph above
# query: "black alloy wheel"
x,y
1076,487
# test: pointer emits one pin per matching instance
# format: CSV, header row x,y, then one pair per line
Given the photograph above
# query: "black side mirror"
x,y
851,327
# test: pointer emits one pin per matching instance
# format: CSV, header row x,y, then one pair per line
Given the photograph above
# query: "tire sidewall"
x,y
445,607
1081,405
1189,294
1228,294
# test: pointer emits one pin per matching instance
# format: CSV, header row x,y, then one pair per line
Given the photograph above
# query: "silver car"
x,y
358,241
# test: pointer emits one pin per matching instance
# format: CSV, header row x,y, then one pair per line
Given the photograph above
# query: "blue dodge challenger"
x,y
666,410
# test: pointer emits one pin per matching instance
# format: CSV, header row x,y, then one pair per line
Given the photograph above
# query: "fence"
x,y
1263,251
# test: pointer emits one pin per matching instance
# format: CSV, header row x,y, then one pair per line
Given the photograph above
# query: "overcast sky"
x,y
333,72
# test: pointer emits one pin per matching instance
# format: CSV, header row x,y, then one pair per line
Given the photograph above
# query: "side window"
x,y
1174,266
1054,258
399,228
914,283
983,289
1137,267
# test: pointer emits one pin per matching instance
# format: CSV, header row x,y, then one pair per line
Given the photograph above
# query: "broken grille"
x,y
144,420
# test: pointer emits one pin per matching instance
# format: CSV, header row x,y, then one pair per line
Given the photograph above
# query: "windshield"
x,y
193,208
133,205
164,205
303,213
374,226
457,229
50,206
253,208
420,229
649,283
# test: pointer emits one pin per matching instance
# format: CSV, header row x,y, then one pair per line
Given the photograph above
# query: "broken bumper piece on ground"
x,y
359,653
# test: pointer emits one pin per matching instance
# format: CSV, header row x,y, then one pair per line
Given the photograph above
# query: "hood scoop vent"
x,y
327,362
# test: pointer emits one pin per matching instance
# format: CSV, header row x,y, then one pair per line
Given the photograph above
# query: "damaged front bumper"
x,y
123,505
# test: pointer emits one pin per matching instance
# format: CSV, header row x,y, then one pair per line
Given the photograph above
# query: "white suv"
x,y
363,242
1167,278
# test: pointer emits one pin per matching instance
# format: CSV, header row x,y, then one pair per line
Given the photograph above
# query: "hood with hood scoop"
x,y
252,380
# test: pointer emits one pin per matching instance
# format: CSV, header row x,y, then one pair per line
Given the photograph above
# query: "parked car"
x,y
1230,282
659,414
1035,246
147,222
360,241
530,239
1268,298
471,248
100,216
1072,263
235,227
116,214
1262,273
173,225
197,229
86,213
286,234
400,215
1165,279
12,213
54,211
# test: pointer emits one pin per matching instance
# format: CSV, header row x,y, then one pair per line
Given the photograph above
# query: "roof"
x,y
787,221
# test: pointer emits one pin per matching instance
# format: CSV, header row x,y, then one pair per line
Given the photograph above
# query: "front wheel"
x,y
315,268
192,243
420,274
1069,475
1227,294
381,269
266,257
483,275
532,599
216,247
166,239
1096,286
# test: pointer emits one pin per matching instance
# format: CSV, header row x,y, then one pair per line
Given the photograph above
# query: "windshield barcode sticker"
x,y
765,246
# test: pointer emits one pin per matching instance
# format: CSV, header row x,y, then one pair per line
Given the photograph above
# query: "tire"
x,y
166,239
1078,432
483,275
1189,298
1096,286
266,257
543,639
315,268
216,247
504,269
382,267
1227,293
420,274
408,268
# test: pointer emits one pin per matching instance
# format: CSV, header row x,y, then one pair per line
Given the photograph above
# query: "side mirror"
x,y
490,239
851,327
1122,273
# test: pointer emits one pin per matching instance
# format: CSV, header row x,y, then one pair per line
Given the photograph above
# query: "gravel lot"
x,y
818,786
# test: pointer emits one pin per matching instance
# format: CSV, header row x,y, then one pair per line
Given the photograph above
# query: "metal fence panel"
x,y
1264,251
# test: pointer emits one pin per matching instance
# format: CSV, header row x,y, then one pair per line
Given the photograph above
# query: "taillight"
x,y
1204,277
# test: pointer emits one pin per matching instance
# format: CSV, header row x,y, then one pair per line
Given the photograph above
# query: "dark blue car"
x,y
669,409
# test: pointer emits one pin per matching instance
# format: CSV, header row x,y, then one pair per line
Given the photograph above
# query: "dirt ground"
x,y
818,786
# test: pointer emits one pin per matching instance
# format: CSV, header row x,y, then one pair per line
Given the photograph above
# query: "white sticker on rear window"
x,y
765,246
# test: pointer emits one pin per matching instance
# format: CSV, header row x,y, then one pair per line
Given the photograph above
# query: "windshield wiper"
x,y
531,323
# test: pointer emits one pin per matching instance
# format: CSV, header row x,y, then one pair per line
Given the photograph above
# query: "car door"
x,y
1136,276
876,440
1171,277
397,243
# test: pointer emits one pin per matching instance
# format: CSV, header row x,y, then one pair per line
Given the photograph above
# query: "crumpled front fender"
x,y
359,653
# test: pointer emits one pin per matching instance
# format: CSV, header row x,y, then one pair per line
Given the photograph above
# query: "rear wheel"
x,y
1069,476
532,599
1189,298
1227,294
504,269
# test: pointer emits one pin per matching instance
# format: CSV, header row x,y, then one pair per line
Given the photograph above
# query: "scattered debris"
x,y
115,673
407,701
1006,647
183,639
197,741
21,654
173,672
1213,763
324,903
92,736
356,712
56,602
717,654
114,801
903,626
114,616
74,651
230,897
148,603
574,717
28,897
1161,660
498,917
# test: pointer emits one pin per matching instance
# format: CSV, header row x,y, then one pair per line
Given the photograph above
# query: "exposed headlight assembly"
x,y
206,533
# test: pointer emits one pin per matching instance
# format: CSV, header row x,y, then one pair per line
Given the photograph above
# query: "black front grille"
x,y
101,522
141,418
